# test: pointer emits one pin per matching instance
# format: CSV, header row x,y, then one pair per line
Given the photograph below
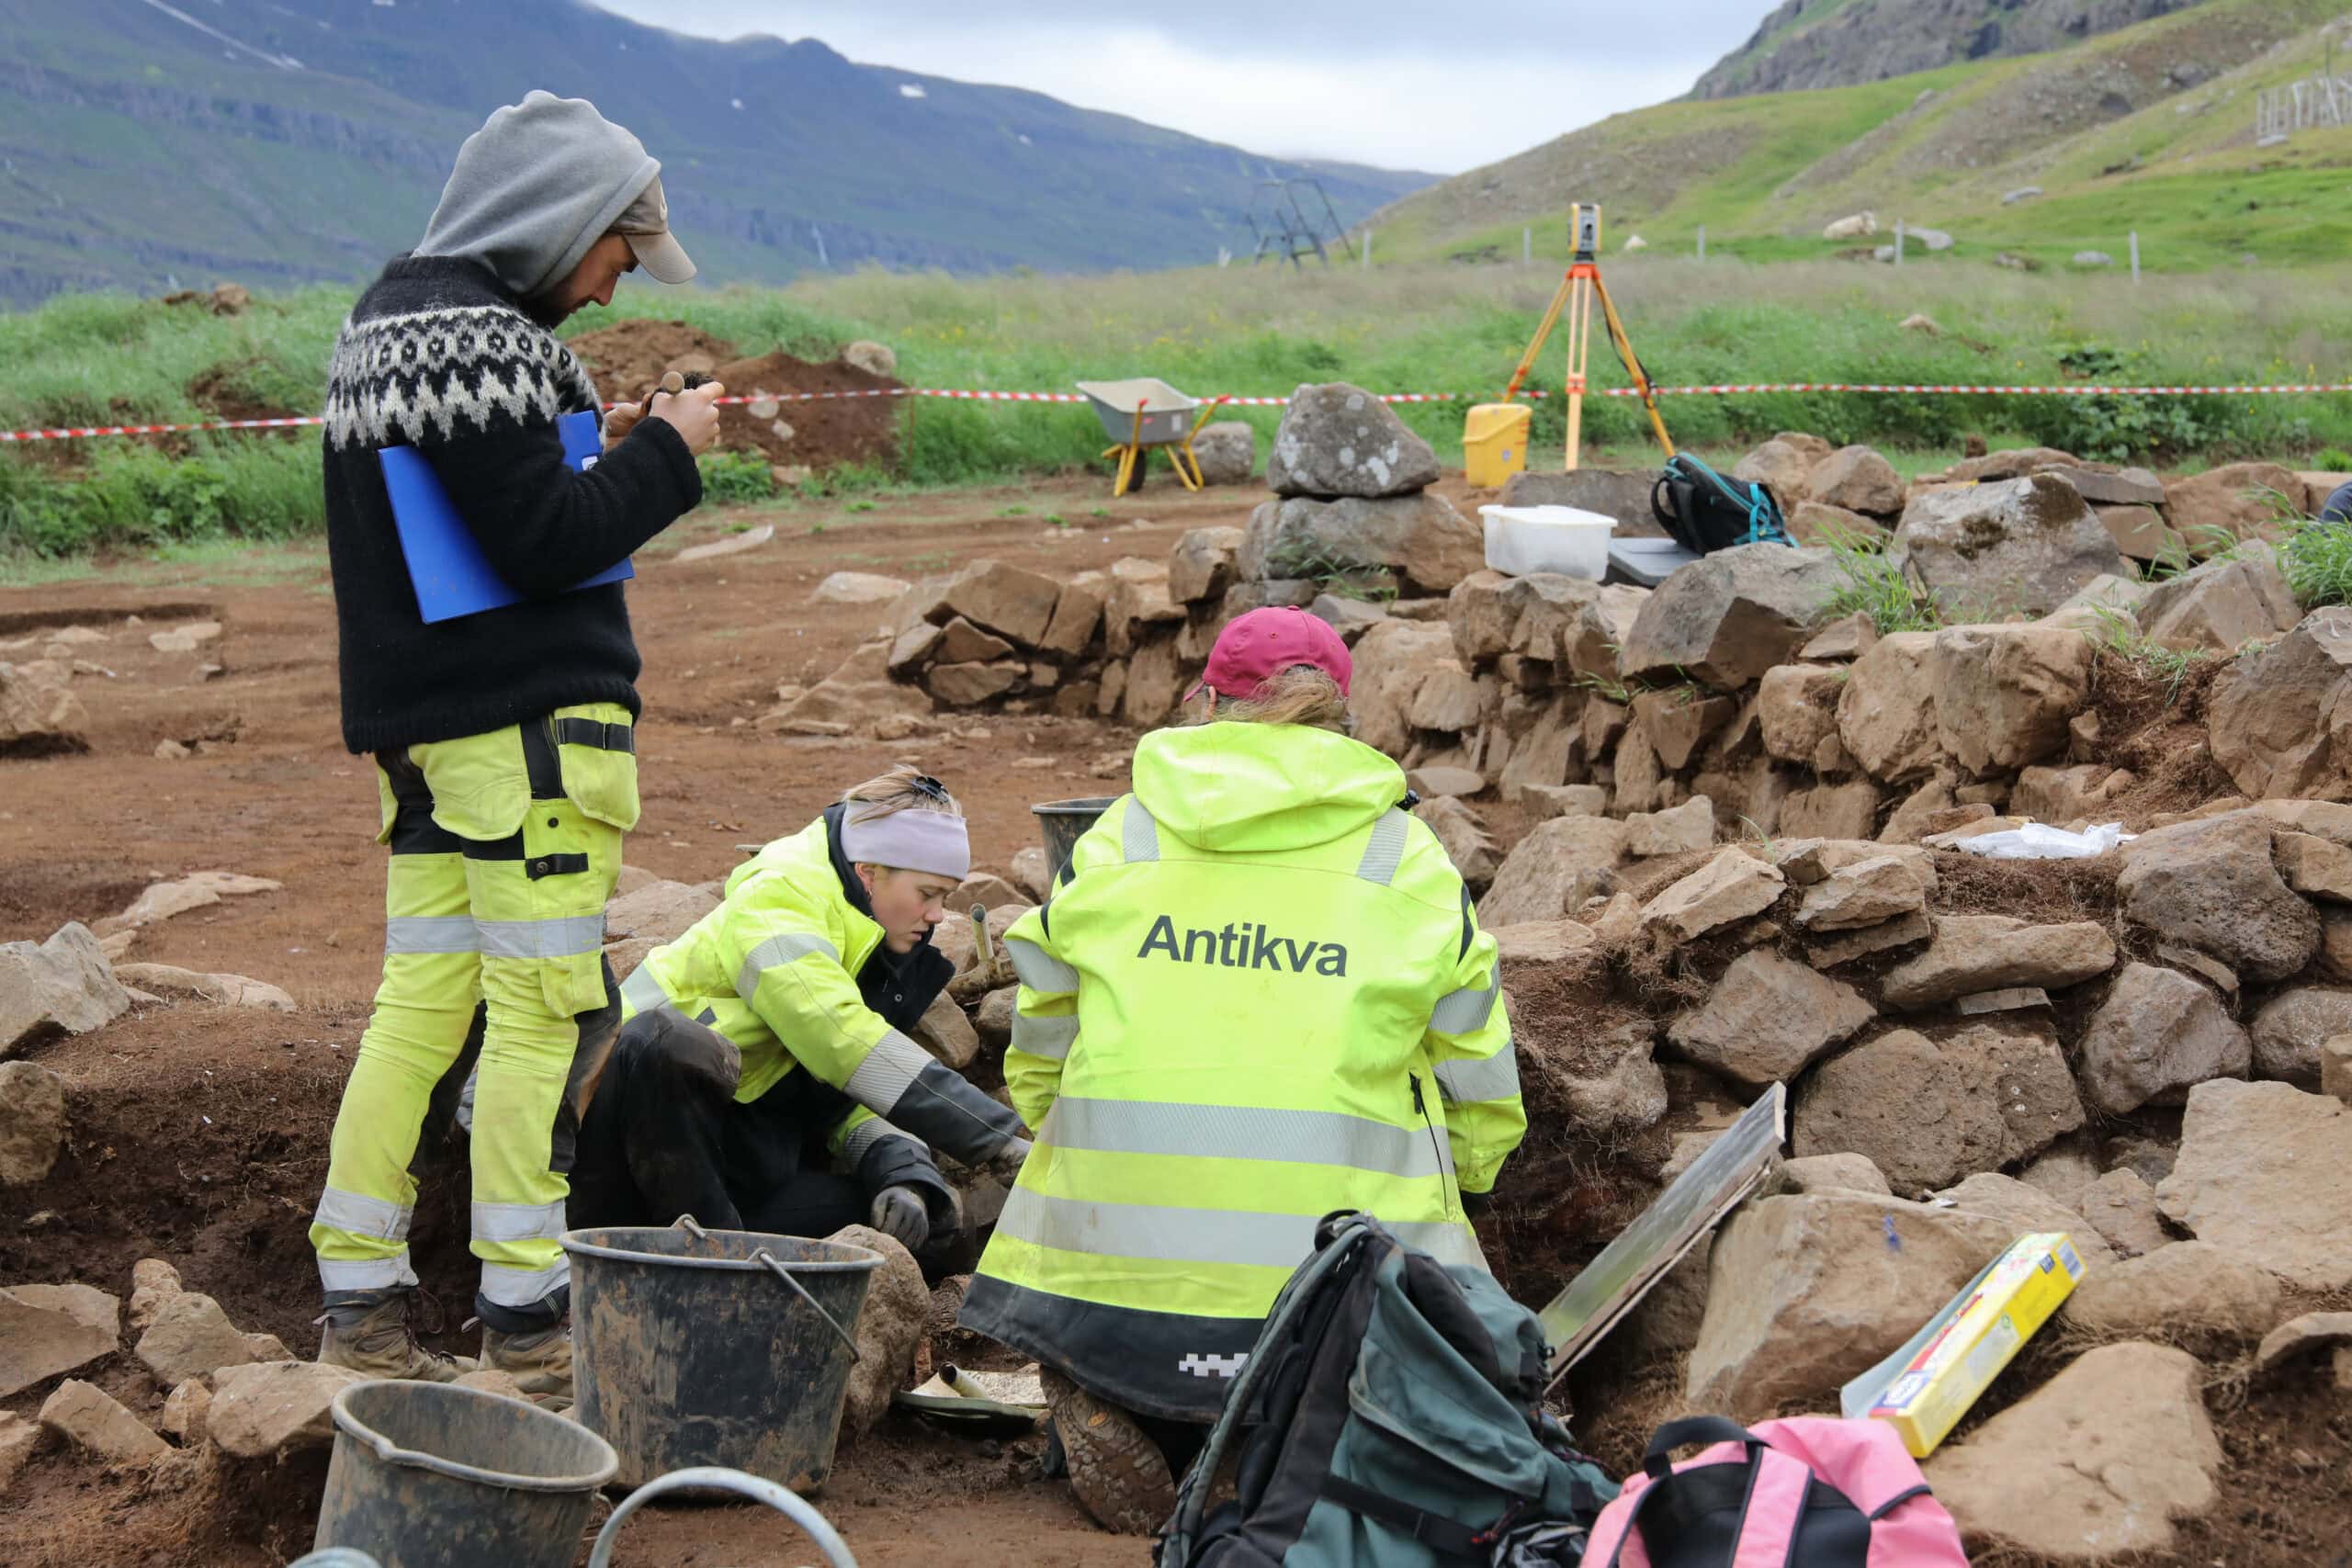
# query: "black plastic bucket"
x,y
691,1348
432,1475
1065,822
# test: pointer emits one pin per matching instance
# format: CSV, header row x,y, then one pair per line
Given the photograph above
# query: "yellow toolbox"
x,y
1494,444
1925,1388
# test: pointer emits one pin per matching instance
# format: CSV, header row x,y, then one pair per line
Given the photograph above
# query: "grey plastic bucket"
x,y
432,1475
692,1347
1065,822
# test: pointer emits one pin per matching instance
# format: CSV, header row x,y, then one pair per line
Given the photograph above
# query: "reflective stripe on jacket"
x,y
775,969
1258,994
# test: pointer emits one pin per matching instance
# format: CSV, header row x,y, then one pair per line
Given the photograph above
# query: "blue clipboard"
x,y
451,575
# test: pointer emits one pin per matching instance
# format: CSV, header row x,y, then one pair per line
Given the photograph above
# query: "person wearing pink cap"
x,y
1257,994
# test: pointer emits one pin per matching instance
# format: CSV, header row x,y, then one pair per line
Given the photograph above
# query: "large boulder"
x,y
2292,1026
32,1122
2006,694
2256,1176
2183,1292
2222,605
1200,564
1856,478
855,698
1337,440
1807,1291
2274,718
660,911
1420,538
1552,870
1226,451
2096,1463
2246,500
2026,1209
63,986
192,1337
1796,714
38,712
1768,1019
1886,715
88,1417
891,1327
38,1340
1726,618
2157,1036
1931,1109
1010,601
1732,886
2016,546
1844,810
1864,892
1622,495
1392,661
2212,885
1990,953
277,1408
1779,465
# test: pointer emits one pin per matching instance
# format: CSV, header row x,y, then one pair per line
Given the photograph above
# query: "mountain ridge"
x,y
143,146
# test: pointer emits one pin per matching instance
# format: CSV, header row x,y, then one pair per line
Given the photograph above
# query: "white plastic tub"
x,y
1522,540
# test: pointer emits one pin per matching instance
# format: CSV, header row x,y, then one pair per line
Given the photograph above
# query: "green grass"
x,y
1876,586
1435,328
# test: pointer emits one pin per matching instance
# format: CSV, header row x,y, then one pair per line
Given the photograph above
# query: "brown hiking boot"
x,y
383,1344
538,1361
1121,1477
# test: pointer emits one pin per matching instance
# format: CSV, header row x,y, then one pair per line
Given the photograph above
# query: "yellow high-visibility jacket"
x,y
775,969
1257,994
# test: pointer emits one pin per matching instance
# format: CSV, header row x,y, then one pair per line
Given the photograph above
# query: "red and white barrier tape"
x,y
1720,389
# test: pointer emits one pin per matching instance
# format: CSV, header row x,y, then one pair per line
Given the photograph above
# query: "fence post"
x,y
1367,250
2135,255
1527,247
1703,241
1898,241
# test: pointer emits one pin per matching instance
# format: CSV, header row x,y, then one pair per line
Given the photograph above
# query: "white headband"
x,y
933,842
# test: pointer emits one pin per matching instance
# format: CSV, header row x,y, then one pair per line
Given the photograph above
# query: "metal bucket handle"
x,y
811,1522
694,1228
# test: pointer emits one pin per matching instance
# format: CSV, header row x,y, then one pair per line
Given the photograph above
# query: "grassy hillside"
x,y
2105,128
1435,328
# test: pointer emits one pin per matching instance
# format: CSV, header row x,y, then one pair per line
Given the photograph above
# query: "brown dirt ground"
x,y
628,357
199,1133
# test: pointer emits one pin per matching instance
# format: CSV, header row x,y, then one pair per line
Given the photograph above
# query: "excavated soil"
x,y
628,359
199,1133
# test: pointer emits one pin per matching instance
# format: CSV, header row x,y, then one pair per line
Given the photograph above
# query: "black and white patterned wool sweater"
x,y
437,356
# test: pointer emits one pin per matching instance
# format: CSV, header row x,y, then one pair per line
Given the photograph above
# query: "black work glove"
x,y
899,1212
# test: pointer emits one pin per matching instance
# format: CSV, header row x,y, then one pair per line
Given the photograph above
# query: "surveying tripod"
x,y
1578,288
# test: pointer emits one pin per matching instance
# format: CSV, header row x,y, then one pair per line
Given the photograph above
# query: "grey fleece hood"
x,y
534,188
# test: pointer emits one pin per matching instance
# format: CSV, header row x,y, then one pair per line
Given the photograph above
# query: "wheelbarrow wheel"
x,y
1135,474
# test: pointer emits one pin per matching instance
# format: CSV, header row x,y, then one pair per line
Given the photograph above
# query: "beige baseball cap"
x,y
646,225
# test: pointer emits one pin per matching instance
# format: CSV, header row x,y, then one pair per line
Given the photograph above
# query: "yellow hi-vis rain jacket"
x,y
1258,995
775,969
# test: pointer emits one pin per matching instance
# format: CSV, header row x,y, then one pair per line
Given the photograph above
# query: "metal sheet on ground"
x,y
1612,1284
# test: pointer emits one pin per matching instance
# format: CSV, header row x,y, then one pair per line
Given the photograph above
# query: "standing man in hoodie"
x,y
504,740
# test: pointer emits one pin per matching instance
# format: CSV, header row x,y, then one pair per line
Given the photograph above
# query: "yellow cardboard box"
x,y
1926,1387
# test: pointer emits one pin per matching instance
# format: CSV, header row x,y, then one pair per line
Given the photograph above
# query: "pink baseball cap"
x,y
1255,648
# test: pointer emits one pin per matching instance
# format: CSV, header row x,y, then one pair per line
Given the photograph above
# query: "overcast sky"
x,y
1407,83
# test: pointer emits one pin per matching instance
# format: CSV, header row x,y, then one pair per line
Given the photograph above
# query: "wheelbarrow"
x,y
1143,412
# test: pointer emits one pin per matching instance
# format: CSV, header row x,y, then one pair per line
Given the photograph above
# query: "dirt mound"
x,y
217,390
630,358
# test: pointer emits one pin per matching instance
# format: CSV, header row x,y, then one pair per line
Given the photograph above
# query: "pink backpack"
x,y
1824,1492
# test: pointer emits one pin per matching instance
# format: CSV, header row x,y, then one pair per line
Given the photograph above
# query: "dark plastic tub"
x,y
689,1349
1065,822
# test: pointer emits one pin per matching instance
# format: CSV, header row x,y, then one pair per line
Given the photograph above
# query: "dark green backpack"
x,y
1389,1416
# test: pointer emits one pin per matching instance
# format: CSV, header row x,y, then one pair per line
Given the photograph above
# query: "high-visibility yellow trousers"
x,y
505,848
